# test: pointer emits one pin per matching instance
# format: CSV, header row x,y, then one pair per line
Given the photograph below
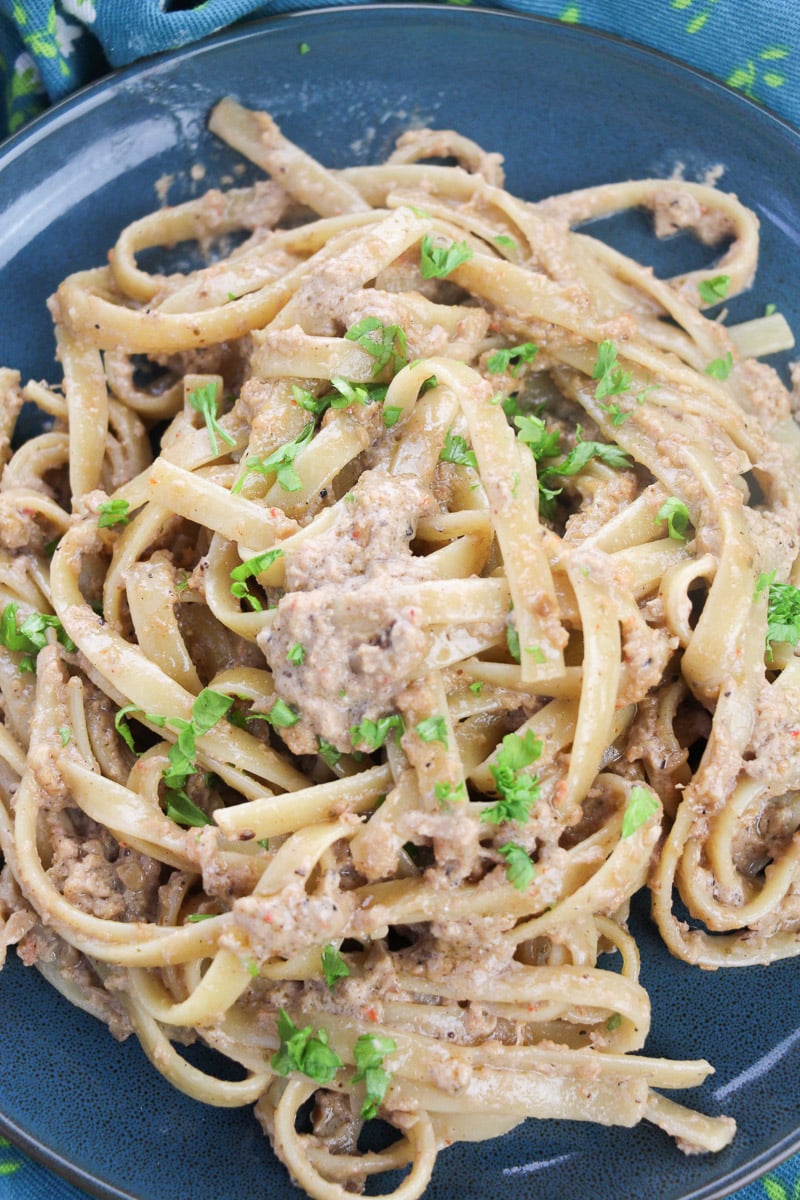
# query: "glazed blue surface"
x,y
567,108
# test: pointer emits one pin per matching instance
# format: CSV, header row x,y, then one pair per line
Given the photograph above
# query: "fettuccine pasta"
x,y
389,596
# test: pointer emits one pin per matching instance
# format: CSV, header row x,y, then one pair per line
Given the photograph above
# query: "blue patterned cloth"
x,y
48,49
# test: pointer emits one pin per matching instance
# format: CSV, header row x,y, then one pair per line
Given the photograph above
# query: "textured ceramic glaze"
x,y
567,108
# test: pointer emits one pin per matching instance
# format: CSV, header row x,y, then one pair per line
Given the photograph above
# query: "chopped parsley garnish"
x,y
204,400
508,243
184,811
511,358
303,48
612,380
195,918
714,289
296,654
328,752
388,348
302,1050
372,734
720,368
391,415
282,716
614,1022
355,393
436,262
519,868
208,708
533,432
783,611
31,636
248,570
113,512
769,309
455,450
64,734
512,641
676,514
281,461
581,454
311,403
518,791
639,809
448,793
333,965
545,444
433,729
123,728
476,687
369,1052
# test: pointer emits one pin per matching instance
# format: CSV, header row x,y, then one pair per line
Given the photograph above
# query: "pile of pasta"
x,y
391,594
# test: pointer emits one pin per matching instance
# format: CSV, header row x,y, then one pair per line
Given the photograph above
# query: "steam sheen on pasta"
x,y
453,605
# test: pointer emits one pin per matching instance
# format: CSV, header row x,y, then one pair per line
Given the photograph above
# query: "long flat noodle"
x,y
256,135
509,477
87,404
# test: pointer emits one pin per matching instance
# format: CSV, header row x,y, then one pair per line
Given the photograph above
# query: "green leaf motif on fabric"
x,y
571,15
749,77
9,1165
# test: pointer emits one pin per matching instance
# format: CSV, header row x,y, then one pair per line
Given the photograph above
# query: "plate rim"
x,y
90,95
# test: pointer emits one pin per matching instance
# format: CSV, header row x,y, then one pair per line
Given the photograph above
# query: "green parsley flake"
x,y
249,569
391,415
282,716
31,636
614,1022
328,752
369,1052
512,641
612,380
346,393
297,654
333,965
372,734
64,734
476,687
303,48
301,1050
281,462
181,809
448,793
533,433
511,358
436,262
676,514
783,611
769,309
433,729
388,348
641,806
720,368
714,289
518,791
519,868
113,512
507,243
204,400
455,450
195,918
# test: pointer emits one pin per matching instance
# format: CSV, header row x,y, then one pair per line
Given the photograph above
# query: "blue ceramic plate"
x,y
567,108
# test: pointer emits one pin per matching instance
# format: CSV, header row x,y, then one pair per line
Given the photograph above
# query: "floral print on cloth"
x,y
49,49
